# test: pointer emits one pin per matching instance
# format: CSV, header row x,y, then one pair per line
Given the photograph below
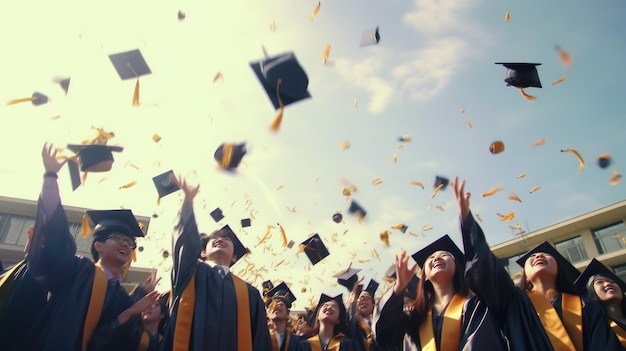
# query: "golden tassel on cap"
x,y
279,117
136,93
527,96
85,230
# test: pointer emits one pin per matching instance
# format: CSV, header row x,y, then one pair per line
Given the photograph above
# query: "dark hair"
x,y
342,321
102,233
425,293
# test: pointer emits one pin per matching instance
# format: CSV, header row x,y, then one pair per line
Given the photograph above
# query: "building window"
x,y
620,271
572,249
13,229
610,238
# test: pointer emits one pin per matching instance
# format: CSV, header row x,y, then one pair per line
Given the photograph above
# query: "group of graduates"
x,y
448,300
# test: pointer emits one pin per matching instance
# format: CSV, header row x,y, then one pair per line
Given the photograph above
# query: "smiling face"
x,y
365,304
220,249
116,249
540,264
607,290
440,266
329,312
154,313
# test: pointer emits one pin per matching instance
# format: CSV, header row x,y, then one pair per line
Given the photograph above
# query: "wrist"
x,y
50,174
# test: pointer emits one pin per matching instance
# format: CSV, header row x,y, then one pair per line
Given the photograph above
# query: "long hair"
x,y
342,321
426,292
591,293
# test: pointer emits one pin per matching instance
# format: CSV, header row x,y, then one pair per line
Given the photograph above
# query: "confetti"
x,y
564,57
535,189
344,145
479,218
491,191
436,190
506,217
521,175
418,183
581,162
507,17
558,81
539,142
377,181
156,138
326,53
128,185
514,197
469,123
316,9
615,178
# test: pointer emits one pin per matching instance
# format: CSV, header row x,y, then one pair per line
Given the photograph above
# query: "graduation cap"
x,y
36,99
442,244
64,83
109,222
293,80
246,222
164,183
310,315
521,75
91,158
496,147
443,181
356,209
594,270
370,37
282,292
181,15
347,278
131,64
371,288
604,160
217,215
314,249
267,286
567,273
229,155
225,231
337,217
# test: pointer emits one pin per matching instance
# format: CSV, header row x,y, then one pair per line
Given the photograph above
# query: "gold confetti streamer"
x,y
491,191
535,189
436,191
316,9
558,81
539,142
514,197
581,162
418,183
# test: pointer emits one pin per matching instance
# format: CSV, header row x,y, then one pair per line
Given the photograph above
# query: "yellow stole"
x,y
566,335
274,339
368,335
333,344
450,331
621,333
145,341
184,317
96,303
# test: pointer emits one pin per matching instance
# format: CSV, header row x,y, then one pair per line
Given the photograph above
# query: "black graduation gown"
x,y
358,334
346,344
487,277
214,325
393,327
53,270
292,345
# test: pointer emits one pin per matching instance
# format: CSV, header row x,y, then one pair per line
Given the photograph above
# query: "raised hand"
x,y
189,191
151,282
462,198
50,162
403,273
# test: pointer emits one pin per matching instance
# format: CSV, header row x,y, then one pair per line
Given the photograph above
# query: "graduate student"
x,y
278,308
212,309
443,316
55,300
602,285
154,320
330,325
545,312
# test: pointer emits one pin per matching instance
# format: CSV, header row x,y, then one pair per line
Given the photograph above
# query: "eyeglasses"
x,y
121,238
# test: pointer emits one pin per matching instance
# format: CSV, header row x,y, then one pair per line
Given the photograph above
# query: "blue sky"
x,y
434,58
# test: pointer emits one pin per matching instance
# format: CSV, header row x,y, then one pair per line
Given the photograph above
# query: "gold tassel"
x,y
227,155
526,96
558,81
17,101
85,230
136,93
279,117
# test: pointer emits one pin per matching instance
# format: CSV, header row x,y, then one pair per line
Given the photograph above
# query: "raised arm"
x,y
185,240
51,246
484,272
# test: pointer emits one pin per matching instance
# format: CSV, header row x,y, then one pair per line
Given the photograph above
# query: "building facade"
x,y
600,233
16,215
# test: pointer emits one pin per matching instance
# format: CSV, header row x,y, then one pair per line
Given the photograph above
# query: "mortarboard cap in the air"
x,y
131,64
347,278
267,286
567,273
91,158
604,160
282,292
370,37
246,222
337,217
64,83
521,75
239,249
595,269
443,181
229,155
293,79
36,99
442,244
164,183
357,210
314,249
217,215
